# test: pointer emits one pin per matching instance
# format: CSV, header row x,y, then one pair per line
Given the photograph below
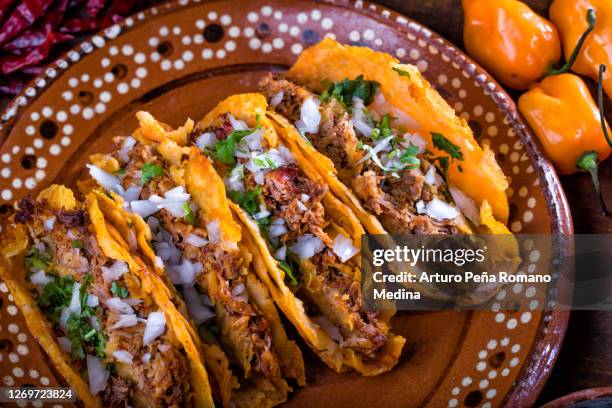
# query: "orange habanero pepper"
x,y
568,123
568,16
510,40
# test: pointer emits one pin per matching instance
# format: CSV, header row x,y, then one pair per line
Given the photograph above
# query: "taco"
x,y
390,147
314,274
93,307
190,237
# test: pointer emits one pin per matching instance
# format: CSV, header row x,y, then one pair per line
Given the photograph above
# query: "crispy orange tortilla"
x,y
252,108
417,106
207,189
104,220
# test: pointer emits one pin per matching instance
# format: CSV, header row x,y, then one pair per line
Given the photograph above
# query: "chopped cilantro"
x,y
264,224
55,296
248,200
119,290
225,149
383,128
189,214
347,89
443,143
120,171
214,329
149,171
77,244
287,267
409,158
35,259
359,145
264,161
401,72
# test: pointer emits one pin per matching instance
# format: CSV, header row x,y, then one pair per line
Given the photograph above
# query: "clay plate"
x,y
179,60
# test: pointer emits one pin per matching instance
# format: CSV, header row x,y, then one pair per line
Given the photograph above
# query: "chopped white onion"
x,y
430,176
420,207
281,253
40,278
75,300
305,198
93,320
440,210
163,347
328,328
277,231
307,245
115,271
92,300
259,177
237,124
467,206
344,248
301,206
310,117
125,320
153,224
173,201
123,356
144,208
240,293
105,179
197,309
49,223
119,306
234,182
155,327
65,314
97,374
262,214
127,145
185,273
214,231
361,122
278,221
253,140
196,240
65,344
206,141
373,151
416,140
146,357
276,99
132,193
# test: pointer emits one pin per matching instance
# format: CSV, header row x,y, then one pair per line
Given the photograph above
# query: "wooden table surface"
x,y
586,357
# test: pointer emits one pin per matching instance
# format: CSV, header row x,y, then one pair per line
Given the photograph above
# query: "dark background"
x,y
586,357
585,360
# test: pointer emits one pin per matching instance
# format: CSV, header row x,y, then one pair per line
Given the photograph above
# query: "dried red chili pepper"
x,y
24,15
94,7
55,15
34,38
4,8
13,63
12,85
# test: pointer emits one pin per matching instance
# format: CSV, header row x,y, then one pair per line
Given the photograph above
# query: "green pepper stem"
x,y
588,162
591,20
600,99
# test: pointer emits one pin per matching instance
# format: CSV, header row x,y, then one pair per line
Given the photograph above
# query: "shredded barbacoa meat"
x,y
227,265
164,381
282,188
336,137
392,199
